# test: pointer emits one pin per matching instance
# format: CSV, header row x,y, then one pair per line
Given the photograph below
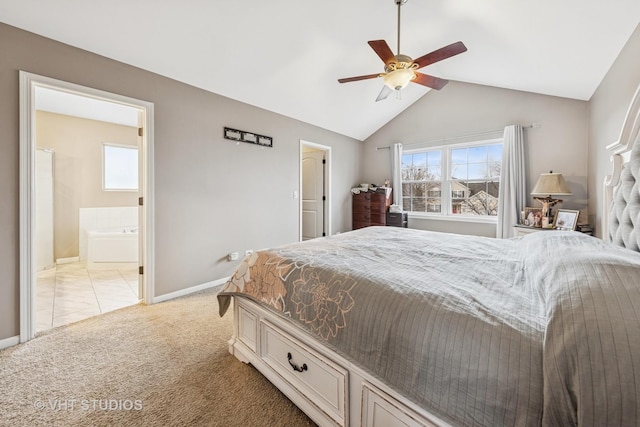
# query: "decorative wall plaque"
x,y
250,137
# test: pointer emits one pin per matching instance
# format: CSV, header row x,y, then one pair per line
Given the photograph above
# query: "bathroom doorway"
x,y
91,154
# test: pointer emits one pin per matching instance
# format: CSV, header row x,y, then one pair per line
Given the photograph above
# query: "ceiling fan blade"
x,y
386,90
440,54
383,50
430,81
355,79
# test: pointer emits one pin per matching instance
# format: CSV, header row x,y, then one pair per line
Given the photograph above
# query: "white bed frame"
x,y
334,391
620,156
330,389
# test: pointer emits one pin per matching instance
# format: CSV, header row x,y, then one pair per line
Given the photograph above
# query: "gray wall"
x,y
560,144
212,196
607,110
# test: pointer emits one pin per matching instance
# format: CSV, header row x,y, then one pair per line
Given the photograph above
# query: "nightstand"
x,y
398,219
521,230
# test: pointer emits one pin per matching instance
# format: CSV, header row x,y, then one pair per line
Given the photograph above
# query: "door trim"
x,y
28,84
327,185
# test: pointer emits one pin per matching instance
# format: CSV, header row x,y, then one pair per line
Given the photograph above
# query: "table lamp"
x,y
550,184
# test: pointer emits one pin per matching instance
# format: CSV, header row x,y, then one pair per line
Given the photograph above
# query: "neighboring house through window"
x,y
457,180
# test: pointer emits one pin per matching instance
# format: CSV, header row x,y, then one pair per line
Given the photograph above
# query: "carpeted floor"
x,y
162,365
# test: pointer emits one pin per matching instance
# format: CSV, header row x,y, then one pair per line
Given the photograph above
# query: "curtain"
x,y
396,173
512,198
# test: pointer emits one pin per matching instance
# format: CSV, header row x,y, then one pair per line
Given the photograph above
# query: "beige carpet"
x,y
162,365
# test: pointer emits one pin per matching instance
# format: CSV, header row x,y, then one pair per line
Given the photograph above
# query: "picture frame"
x,y
532,217
566,219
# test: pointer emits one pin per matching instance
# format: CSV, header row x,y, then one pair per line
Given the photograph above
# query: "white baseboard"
x,y
187,291
9,342
91,265
68,260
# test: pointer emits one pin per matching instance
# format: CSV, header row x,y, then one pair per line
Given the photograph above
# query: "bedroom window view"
x,y
458,181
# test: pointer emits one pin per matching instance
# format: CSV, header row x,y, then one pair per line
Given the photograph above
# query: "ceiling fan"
x,y
400,69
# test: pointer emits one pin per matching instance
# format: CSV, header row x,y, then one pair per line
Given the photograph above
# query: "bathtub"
x,y
112,246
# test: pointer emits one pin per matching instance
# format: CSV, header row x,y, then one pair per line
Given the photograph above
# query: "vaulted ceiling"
x,y
286,55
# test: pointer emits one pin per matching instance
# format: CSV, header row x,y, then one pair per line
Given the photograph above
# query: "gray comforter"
x,y
538,330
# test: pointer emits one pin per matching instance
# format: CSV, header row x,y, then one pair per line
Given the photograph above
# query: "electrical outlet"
x,y
233,256
248,252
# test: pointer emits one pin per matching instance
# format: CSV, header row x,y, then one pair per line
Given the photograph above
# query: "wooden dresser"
x,y
369,208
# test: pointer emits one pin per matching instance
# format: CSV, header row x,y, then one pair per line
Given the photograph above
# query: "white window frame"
x,y
445,199
104,166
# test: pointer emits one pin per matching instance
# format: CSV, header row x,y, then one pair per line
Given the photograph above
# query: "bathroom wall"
x,y
77,144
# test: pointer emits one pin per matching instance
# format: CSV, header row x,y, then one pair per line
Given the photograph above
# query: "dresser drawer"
x,y
361,207
362,197
360,224
381,410
323,382
379,205
377,219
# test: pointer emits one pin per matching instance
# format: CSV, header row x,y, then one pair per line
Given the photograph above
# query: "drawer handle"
x,y
294,366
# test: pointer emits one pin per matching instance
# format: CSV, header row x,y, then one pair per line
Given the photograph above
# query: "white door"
x,y
313,197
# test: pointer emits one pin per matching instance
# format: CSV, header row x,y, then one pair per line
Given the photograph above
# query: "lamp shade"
x,y
551,184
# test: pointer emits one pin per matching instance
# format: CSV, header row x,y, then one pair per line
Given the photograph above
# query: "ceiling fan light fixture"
x,y
398,79
400,70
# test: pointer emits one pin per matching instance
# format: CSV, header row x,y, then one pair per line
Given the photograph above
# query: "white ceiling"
x,y
55,101
286,55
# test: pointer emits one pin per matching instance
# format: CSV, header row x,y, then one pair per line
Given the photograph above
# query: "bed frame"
x,y
621,204
332,390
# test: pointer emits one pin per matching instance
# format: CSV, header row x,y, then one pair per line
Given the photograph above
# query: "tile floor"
x,y
69,292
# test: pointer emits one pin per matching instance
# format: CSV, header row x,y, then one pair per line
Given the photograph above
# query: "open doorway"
x,y
315,185
85,203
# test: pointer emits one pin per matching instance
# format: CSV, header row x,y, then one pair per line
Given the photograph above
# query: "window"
x,y
422,181
119,168
460,180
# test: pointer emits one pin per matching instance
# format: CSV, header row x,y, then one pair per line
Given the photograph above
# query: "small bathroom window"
x,y
119,168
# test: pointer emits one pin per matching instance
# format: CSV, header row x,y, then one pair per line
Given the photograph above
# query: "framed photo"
x,y
566,219
532,217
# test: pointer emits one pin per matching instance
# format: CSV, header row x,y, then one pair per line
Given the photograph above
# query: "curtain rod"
x,y
533,125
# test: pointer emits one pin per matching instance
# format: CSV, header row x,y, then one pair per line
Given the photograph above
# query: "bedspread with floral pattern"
x,y
319,299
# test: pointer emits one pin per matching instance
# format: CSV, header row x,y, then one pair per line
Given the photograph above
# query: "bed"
x,y
386,326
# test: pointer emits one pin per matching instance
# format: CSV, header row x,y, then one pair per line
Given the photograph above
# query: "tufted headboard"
x,y
621,216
